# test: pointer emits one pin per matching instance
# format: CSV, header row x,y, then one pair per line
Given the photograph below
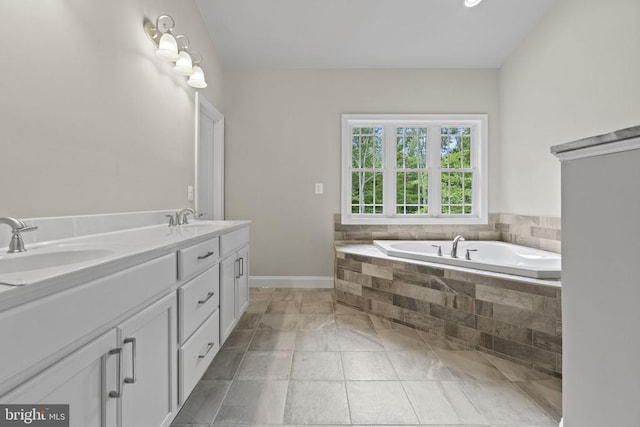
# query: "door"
x,y
209,161
228,318
83,380
242,283
149,363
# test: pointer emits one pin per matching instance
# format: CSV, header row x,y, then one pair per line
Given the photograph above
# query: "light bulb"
x,y
167,48
197,78
471,3
184,66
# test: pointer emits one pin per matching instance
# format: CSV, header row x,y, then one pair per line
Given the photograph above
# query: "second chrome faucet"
x,y
180,217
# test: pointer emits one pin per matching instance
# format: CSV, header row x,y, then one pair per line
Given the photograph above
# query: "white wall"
x,y
91,120
574,76
283,135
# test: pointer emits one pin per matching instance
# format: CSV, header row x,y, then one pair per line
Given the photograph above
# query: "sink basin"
x,y
18,263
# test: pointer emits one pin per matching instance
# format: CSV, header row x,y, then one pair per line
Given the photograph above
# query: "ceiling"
x,y
368,33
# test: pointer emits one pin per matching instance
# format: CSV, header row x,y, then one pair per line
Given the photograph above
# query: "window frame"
x,y
479,163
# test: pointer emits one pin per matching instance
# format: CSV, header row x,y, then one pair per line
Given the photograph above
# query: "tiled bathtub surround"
x,y
516,319
538,232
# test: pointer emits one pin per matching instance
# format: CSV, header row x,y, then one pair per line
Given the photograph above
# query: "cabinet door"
x,y
83,380
228,318
242,283
149,363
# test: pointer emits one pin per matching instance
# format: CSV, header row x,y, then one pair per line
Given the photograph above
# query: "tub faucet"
x,y
181,217
16,244
454,246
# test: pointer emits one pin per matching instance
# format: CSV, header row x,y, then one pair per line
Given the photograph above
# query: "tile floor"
x,y
298,358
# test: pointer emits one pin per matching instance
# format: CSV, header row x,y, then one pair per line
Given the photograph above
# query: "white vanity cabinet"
x,y
124,344
130,369
199,301
83,380
149,365
234,279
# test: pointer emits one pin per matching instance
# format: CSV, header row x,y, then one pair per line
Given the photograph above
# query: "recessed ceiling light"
x,y
471,3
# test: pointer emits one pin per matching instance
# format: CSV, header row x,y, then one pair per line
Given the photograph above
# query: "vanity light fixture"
x,y
176,49
196,79
471,3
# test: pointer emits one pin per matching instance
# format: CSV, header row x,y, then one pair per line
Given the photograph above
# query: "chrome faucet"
x,y
454,246
181,217
16,244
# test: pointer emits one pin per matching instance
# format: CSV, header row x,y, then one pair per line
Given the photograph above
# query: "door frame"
x,y
215,163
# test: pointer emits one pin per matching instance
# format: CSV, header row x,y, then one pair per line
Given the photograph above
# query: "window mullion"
x,y
389,187
435,178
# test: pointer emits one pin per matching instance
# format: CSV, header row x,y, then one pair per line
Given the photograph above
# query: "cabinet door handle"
x,y
207,255
118,391
241,267
209,347
132,378
208,297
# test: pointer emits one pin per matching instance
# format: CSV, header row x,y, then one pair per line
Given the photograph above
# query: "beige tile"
x,y
316,402
514,371
354,321
265,365
547,394
469,365
359,340
238,340
379,402
367,365
418,365
316,365
248,321
317,321
203,403
253,403
281,322
224,365
273,340
400,339
442,402
284,307
318,307
502,402
317,340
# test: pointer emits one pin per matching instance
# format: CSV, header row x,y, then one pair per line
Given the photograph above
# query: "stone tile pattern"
x,y
300,358
514,320
538,232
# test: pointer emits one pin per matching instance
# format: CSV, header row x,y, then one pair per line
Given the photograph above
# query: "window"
x,y
414,169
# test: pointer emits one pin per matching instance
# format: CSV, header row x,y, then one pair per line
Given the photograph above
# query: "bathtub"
x,y
499,257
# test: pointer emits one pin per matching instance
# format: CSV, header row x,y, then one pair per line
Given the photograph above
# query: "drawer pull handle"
x,y
118,392
209,295
209,347
208,254
132,378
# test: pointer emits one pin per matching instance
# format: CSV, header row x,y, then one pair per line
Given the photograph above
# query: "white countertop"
x,y
123,249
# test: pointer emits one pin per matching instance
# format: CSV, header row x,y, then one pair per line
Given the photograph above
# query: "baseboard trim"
x,y
291,281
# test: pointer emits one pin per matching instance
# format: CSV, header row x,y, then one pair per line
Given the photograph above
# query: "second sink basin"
x,y
25,262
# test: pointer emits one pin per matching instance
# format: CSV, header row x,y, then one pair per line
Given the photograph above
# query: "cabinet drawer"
x,y
197,300
196,355
198,257
231,241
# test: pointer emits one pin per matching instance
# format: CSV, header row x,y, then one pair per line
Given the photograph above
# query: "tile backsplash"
x,y
539,232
